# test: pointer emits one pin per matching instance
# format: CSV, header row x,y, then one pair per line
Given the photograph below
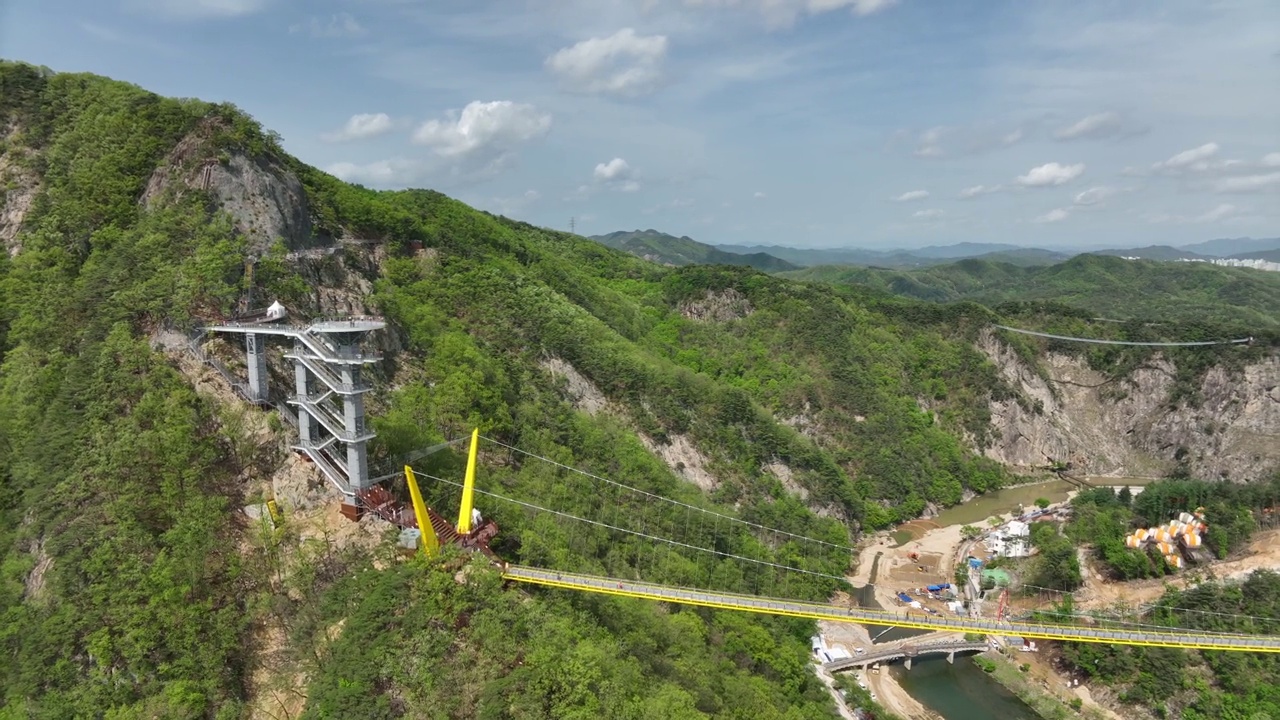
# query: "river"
x,y
956,692
963,691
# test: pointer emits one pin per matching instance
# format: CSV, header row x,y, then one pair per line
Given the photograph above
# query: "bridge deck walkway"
x,y
1172,638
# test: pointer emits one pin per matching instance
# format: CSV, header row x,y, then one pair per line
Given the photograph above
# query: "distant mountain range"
x,y
670,250
667,249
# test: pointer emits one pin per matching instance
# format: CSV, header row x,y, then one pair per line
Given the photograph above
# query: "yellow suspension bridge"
x,y
780,554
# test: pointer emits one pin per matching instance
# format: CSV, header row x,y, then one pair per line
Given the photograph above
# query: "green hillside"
x,y
130,583
132,587
1109,286
671,250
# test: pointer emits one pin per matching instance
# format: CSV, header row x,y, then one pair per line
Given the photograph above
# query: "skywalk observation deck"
x,y
328,388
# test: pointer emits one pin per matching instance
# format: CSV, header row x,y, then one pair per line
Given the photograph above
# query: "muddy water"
x,y
977,510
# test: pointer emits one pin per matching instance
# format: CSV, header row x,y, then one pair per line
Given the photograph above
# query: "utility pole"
x,y
573,224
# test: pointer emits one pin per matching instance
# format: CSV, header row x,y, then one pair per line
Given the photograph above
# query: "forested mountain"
x,y
1110,286
128,581
131,585
671,250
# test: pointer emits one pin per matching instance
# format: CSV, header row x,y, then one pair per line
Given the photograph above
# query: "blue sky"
x,y
874,123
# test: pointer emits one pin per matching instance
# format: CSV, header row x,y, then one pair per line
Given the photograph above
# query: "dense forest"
x,y
1105,285
132,586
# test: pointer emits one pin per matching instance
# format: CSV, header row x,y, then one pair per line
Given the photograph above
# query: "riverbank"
x,y
1034,689
889,694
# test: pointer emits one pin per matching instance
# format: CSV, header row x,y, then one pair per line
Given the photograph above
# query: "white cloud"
x,y
1196,158
1050,174
196,9
1095,195
360,127
336,25
1099,125
759,195
1248,183
616,174
615,169
912,195
1053,216
972,192
932,214
622,64
1271,160
484,131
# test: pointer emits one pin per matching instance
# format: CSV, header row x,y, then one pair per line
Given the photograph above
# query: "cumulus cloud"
x,y
1097,127
912,195
759,195
615,169
361,127
622,64
1053,216
978,190
484,133
1271,160
616,174
336,25
1194,159
931,214
1051,174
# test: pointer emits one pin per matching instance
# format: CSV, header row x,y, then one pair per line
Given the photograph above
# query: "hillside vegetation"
x,y
132,587
127,577
1109,286
671,250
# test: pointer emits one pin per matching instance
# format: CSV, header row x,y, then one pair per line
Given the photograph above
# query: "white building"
x,y
1012,540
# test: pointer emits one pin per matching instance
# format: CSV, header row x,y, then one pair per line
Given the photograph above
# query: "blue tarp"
x,y
936,588
904,597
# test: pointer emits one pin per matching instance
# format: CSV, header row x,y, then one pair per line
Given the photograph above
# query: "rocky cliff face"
x,y
1128,427
19,186
266,200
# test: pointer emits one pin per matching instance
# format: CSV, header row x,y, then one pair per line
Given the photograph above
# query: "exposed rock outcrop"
x,y
684,459
1128,428
265,199
717,306
19,186
578,389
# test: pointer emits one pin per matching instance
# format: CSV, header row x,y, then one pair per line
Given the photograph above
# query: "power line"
x,y
669,500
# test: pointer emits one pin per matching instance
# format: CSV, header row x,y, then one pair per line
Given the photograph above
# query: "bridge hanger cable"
x,y
647,536
646,493
1238,341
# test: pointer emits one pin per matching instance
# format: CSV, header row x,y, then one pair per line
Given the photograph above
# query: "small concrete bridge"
x,y
906,650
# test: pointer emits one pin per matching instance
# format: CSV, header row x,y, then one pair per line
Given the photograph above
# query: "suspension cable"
x,y
667,499
531,506
1096,341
